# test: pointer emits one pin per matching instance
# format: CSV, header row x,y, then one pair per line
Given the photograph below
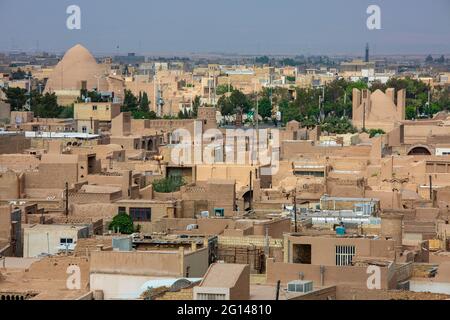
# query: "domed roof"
x,y
76,66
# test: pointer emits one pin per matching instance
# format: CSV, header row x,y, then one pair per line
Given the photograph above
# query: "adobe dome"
x,y
76,66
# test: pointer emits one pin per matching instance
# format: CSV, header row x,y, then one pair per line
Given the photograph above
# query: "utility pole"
x,y
321,103
295,210
66,211
364,116
250,192
257,111
431,187
429,104
277,297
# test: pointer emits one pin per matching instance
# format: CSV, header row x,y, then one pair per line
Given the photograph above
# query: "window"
x,y
344,255
302,253
94,107
319,174
210,296
122,210
65,241
84,129
141,214
219,212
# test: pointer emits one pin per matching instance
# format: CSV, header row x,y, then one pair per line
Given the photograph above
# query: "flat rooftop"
x,y
50,227
54,135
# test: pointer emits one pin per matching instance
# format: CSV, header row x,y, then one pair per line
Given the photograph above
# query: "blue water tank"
x,y
340,231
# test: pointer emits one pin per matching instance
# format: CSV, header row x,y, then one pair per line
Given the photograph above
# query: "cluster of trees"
x,y
138,106
417,96
335,110
169,184
440,60
333,113
224,88
18,75
375,132
190,114
231,104
300,60
94,96
43,105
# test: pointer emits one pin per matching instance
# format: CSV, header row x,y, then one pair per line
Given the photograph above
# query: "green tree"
x,y
93,96
144,103
195,106
290,78
66,112
374,132
18,75
223,88
338,125
377,85
265,108
130,102
184,114
138,114
46,106
236,100
289,62
123,223
262,60
410,112
441,59
416,95
169,184
16,97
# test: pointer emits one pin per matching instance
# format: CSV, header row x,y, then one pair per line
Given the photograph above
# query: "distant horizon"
x,y
230,54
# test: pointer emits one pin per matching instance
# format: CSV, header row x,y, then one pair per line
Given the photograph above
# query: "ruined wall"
x,y
10,185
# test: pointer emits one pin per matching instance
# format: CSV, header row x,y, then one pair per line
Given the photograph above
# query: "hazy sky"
x,y
231,26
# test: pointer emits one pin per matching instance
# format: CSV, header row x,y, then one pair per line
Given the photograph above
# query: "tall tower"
x,y
367,53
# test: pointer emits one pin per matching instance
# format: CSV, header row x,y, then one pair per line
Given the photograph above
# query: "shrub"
x,y
374,132
123,223
167,185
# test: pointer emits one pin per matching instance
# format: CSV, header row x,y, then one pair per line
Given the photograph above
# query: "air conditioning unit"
x,y
204,214
300,286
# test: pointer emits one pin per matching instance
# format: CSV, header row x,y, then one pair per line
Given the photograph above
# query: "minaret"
x,y
367,53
